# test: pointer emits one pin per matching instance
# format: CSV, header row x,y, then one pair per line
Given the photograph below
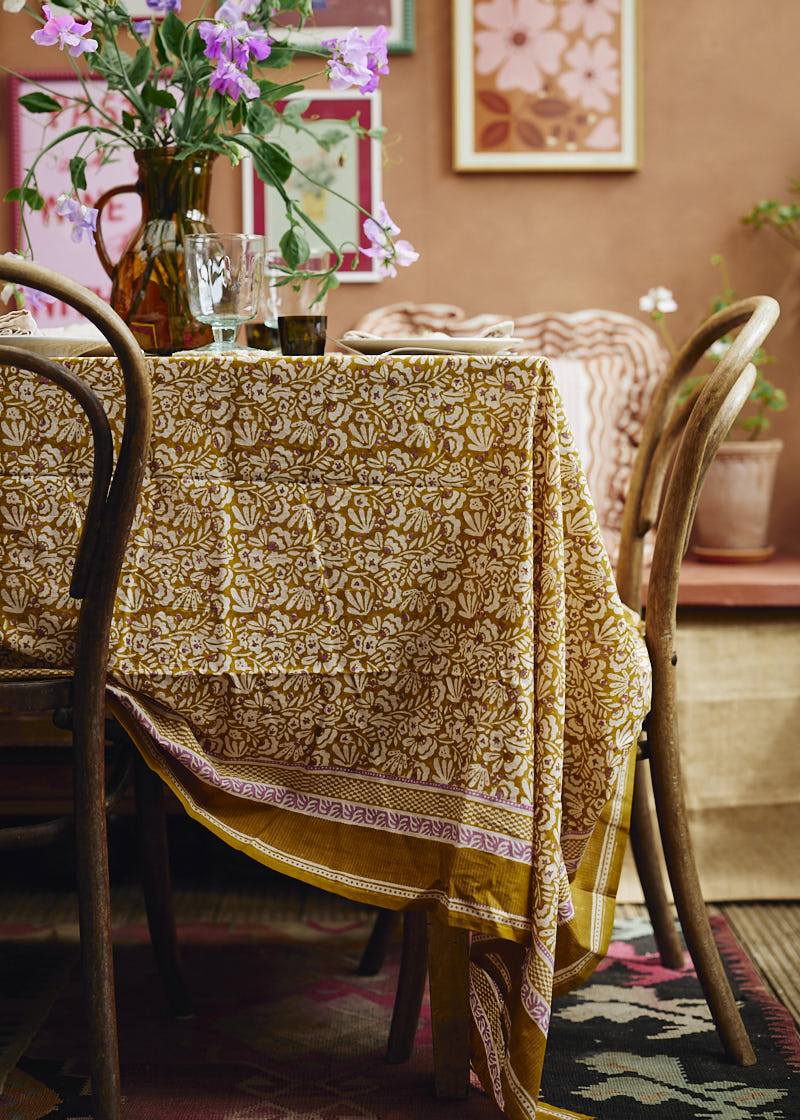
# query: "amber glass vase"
x,y
148,287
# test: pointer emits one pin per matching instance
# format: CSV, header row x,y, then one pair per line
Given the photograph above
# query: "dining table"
x,y
368,633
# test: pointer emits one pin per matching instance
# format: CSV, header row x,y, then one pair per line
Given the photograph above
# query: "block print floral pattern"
x,y
547,75
375,593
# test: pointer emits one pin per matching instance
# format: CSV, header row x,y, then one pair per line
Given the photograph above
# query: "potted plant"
x,y
732,518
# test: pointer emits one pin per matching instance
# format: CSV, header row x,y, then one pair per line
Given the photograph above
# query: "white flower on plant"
x,y
13,5
658,299
718,349
83,217
380,233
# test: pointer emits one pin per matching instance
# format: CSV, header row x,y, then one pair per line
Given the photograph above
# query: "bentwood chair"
x,y
77,696
677,446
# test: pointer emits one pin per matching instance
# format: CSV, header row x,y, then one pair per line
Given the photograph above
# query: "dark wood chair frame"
x,y
678,444
78,700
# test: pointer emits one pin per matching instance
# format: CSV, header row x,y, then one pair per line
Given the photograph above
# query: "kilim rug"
x,y
285,1030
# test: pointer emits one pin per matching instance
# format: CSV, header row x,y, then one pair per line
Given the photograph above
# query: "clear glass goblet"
x,y
224,273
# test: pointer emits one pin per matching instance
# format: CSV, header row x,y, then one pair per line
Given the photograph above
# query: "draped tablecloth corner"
x,y
368,633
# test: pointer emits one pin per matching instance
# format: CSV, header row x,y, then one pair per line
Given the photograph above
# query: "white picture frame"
x,y
353,168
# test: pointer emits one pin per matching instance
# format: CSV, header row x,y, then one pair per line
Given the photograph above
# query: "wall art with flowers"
x,y
545,85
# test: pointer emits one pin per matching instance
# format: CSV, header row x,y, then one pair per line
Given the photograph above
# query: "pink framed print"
x,y
545,86
50,236
351,169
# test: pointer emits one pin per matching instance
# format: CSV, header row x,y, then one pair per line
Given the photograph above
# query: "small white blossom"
x,y
718,349
13,5
658,299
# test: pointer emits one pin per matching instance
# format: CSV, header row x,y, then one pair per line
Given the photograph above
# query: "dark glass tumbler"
x,y
261,336
302,334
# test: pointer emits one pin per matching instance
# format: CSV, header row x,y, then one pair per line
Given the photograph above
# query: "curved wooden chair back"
x,y
678,444
114,494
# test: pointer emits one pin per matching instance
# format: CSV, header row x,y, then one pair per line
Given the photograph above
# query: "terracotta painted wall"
x,y
720,93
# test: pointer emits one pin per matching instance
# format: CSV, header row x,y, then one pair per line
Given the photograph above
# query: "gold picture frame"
x,y
551,87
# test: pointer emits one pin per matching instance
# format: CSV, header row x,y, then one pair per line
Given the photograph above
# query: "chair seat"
x,y
26,688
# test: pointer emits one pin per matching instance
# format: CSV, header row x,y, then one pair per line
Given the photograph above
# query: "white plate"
x,y
56,346
435,345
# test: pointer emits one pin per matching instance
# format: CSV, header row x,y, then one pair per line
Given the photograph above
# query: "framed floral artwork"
x,y
332,18
351,169
545,85
50,236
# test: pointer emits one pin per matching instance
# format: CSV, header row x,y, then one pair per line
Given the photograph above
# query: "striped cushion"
x,y
621,359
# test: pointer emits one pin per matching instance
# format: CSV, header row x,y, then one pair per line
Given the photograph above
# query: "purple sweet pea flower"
x,y
64,31
83,218
232,11
237,43
164,6
357,61
35,300
142,27
380,233
231,81
215,36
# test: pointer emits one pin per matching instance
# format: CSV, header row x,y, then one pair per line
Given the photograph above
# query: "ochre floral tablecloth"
x,y
368,633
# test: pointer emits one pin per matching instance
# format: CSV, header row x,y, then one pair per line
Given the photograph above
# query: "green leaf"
x,y
140,69
272,162
28,196
160,97
161,51
77,171
260,117
129,122
304,7
294,110
271,91
294,248
173,32
39,103
195,45
332,137
279,57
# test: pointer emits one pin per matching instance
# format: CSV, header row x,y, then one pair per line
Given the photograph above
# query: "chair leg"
x,y
679,855
94,910
410,986
154,859
645,848
448,968
376,948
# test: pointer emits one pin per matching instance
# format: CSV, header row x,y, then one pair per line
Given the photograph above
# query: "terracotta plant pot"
x,y
732,519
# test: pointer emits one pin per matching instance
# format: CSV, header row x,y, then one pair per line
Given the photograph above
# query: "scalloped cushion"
x,y
607,365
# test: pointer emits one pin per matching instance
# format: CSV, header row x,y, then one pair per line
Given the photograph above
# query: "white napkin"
x,y
18,322
499,330
505,329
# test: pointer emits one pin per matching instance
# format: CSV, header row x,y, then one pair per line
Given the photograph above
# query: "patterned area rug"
x,y
285,1030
